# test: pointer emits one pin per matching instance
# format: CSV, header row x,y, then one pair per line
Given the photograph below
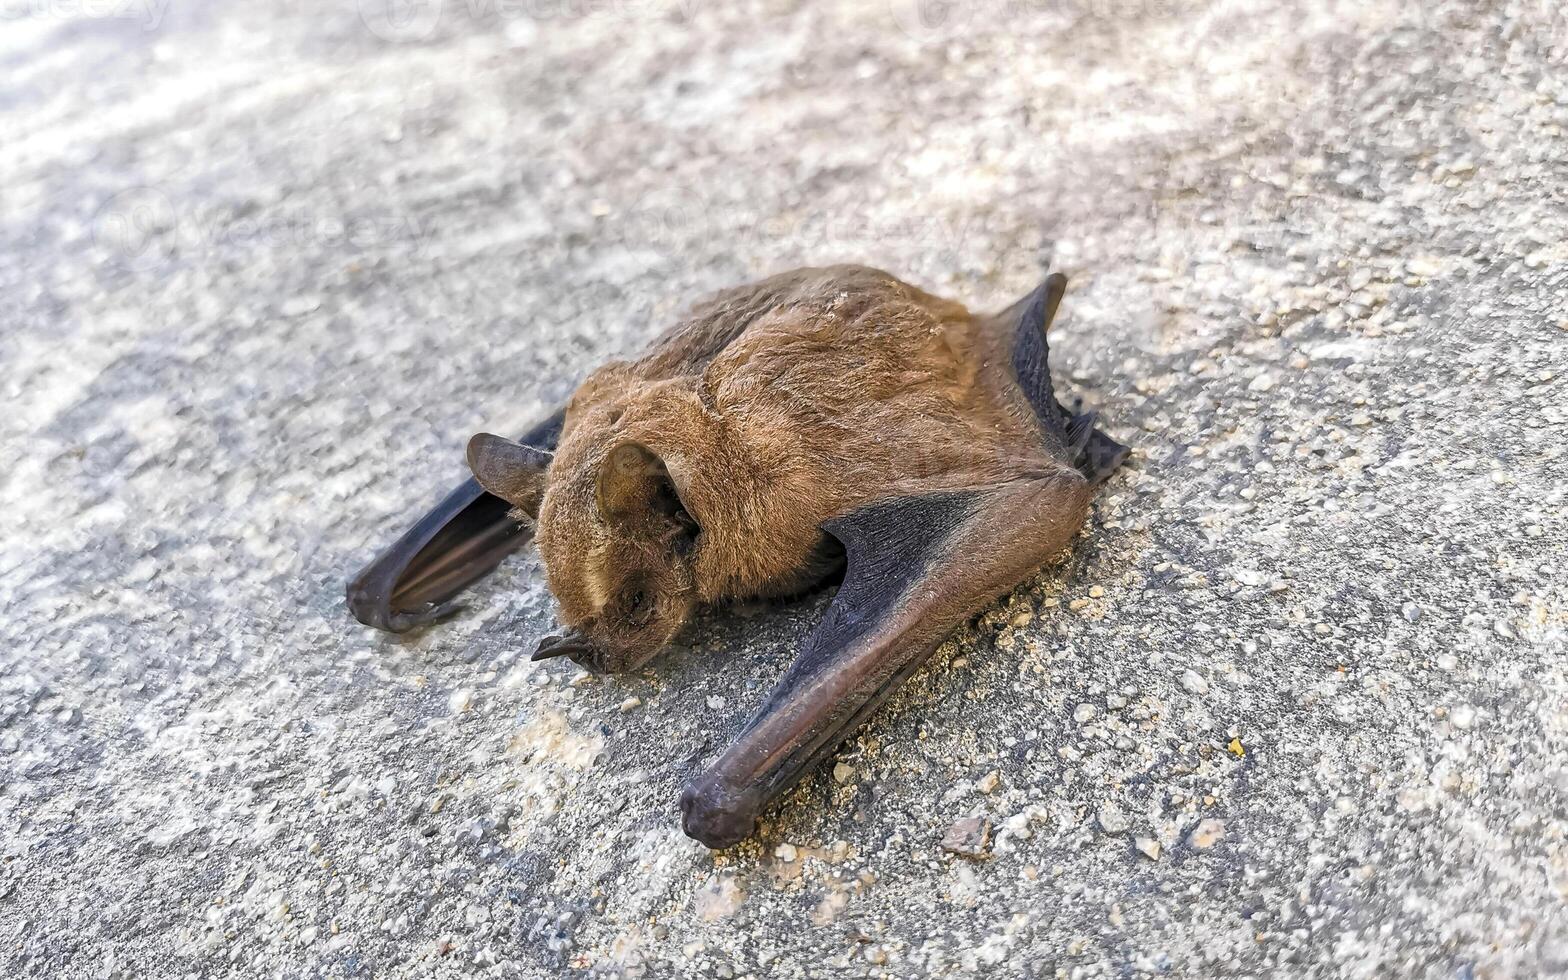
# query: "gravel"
x,y
266,266
969,837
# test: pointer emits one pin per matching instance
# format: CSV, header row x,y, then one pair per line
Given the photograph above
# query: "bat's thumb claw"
x,y
555,646
717,815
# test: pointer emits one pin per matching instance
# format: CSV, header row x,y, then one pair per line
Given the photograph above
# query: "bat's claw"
x,y
719,815
572,645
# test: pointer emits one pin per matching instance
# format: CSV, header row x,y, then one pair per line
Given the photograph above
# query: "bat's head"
x,y
615,538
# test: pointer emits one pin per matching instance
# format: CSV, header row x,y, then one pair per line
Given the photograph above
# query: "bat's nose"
x,y
718,815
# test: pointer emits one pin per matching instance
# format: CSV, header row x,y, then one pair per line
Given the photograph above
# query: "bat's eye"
x,y
638,607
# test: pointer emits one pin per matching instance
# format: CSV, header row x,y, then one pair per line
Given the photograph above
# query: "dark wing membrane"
x,y
461,540
1071,438
917,568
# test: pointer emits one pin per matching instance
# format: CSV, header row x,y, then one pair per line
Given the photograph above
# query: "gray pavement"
x,y
1295,706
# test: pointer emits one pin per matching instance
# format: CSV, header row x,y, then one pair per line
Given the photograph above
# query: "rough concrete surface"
x,y
1295,705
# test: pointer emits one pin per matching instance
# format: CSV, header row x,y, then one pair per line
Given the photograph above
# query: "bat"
x,y
823,422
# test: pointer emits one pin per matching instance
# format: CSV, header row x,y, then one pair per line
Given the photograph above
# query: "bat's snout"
x,y
719,815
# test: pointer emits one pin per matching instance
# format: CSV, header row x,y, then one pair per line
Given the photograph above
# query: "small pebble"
x,y
300,305
1083,713
1207,833
843,773
1193,683
969,837
1111,819
1148,847
1018,825
989,782
630,704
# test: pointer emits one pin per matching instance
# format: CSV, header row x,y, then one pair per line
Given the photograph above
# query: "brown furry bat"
x,y
823,419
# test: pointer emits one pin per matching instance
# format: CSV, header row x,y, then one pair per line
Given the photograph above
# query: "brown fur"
x,y
772,408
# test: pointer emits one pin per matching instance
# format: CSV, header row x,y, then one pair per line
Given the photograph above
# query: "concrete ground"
x,y
1295,706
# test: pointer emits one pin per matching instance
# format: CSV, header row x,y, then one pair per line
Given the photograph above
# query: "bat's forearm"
x,y
917,568
795,730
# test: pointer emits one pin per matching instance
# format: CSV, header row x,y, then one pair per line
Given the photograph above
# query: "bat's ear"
x,y
633,480
509,470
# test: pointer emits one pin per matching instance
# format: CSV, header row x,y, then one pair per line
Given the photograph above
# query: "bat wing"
x,y
461,540
917,568
1068,436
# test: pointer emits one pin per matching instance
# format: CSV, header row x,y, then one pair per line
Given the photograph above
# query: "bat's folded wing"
x,y
459,541
917,568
